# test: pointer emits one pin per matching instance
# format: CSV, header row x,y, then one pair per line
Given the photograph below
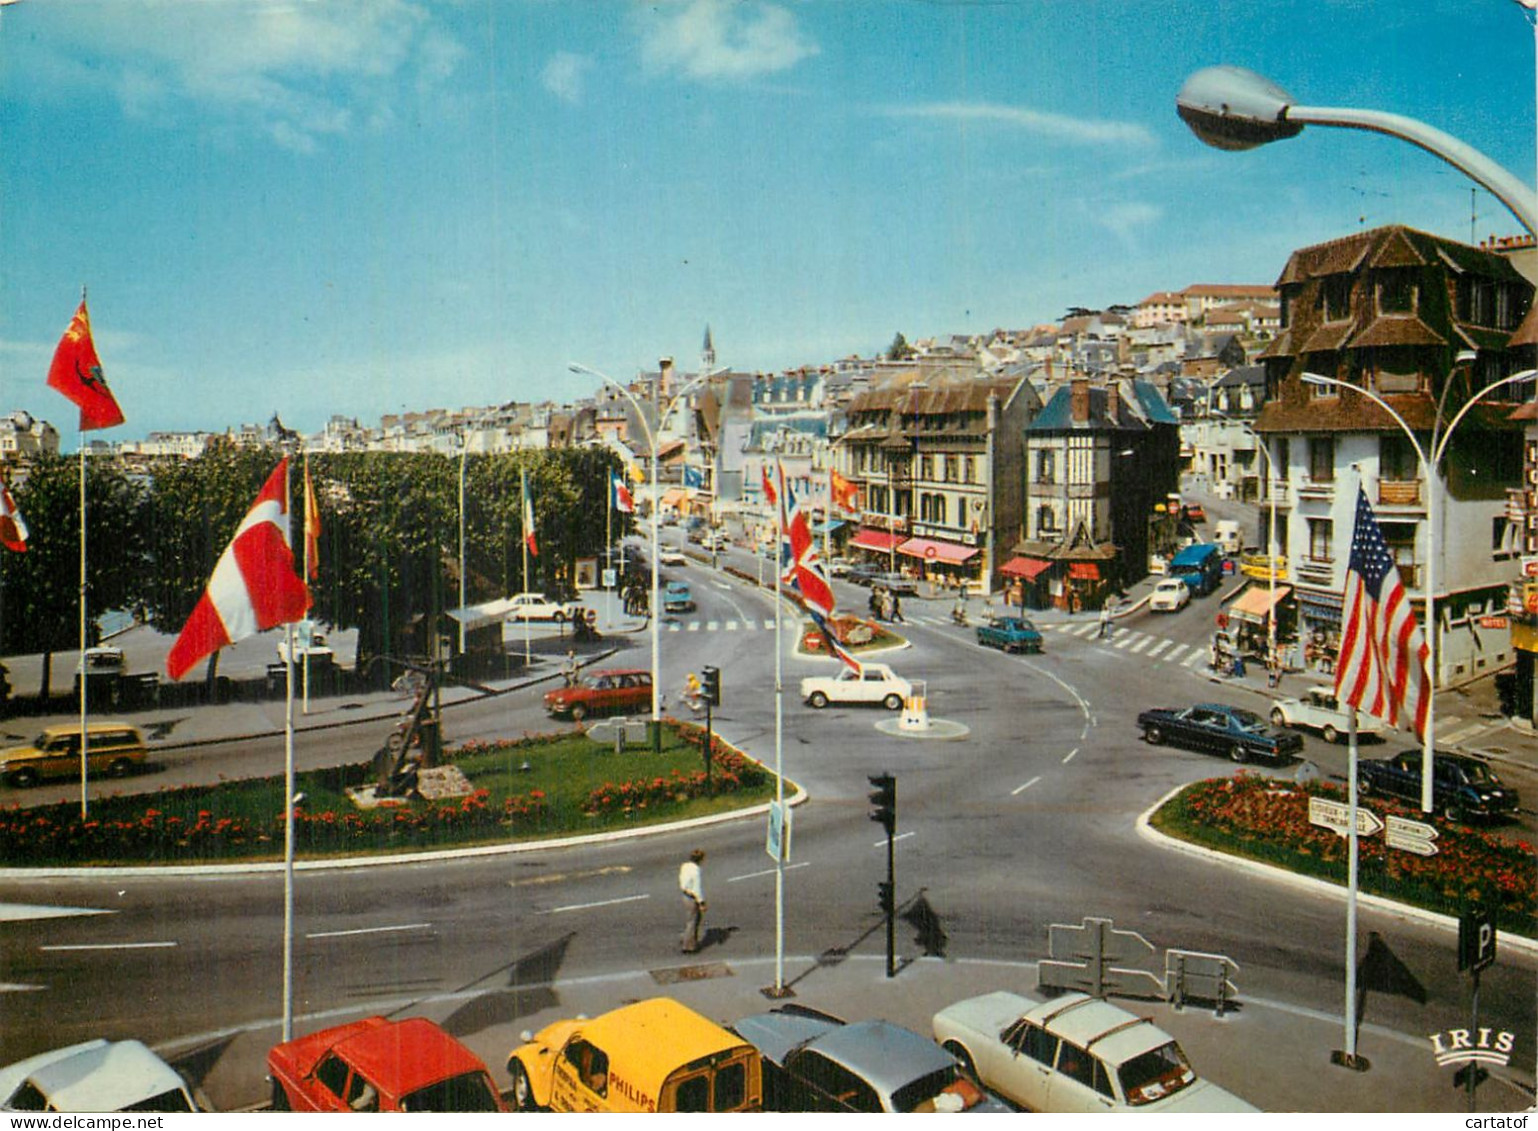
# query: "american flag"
x,y
1382,666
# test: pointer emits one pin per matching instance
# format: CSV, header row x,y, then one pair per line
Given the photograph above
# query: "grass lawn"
x,y
562,785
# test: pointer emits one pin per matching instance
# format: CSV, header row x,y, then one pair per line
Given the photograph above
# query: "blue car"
x,y
677,598
1012,634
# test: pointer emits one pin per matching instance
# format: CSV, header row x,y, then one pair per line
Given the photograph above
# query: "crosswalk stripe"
x,y
1159,647
1085,630
769,623
1468,730
1127,640
1173,655
713,625
1141,644
731,626
694,626
1190,661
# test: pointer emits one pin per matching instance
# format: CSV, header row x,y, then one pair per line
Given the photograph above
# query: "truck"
x,y
1200,566
1228,536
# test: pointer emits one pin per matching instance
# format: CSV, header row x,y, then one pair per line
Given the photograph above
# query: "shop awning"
x,y
931,550
1256,602
1084,571
1028,568
482,615
828,527
673,496
879,540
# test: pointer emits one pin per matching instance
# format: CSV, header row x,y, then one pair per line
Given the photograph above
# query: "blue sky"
x,y
363,207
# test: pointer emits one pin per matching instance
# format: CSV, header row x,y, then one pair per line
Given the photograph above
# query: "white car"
x,y
1075,1054
535,606
1170,596
96,1075
874,683
1318,709
672,558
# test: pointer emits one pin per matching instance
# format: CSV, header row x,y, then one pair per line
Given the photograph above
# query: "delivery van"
x,y
653,1055
115,749
1200,566
1227,534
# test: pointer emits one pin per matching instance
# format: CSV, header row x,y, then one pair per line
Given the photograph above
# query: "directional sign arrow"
x,y
1336,816
1411,836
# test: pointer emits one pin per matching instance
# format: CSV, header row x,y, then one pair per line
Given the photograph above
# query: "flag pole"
x,y
85,733
527,511
1350,1060
608,552
779,744
307,565
288,842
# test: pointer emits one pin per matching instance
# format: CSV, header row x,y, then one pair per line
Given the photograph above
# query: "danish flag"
x,y
253,587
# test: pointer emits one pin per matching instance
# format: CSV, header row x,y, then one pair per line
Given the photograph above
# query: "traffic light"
x,y
712,688
884,798
888,899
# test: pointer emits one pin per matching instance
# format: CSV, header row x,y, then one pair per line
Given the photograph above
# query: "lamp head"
x,y
1232,108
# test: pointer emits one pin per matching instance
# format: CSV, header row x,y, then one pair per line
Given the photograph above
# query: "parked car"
x,y
1194,513
1169,596
860,573
873,683
899,583
652,1055
1215,728
103,660
715,541
380,1065
98,1076
672,557
837,567
1318,709
677,598
1076,1054
1012,634
610,691
536,606
114,749
1462,786
814,1061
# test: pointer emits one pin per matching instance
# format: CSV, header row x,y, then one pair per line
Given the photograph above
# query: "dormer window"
x,y
1396,292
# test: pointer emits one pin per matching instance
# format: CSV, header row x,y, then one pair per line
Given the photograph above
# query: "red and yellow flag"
x,y
76,372
311,527
845,492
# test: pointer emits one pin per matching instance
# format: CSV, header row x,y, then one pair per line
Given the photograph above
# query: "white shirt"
x,y
690,882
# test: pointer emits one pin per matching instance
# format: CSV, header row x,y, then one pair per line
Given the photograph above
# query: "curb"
x,y
1520,943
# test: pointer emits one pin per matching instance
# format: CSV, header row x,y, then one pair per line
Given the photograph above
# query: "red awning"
x,y
1084,571
932,551
1028,568
879,540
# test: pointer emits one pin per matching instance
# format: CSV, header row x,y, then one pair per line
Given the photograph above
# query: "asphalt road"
x,y
1025,822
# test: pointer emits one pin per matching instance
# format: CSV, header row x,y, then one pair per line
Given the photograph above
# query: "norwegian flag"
x,y
624,502
1382,665
13,531
253,587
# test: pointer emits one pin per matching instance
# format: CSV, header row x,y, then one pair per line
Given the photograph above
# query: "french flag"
x,y
621,497
254,586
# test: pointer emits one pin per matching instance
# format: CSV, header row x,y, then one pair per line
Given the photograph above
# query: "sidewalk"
x,y
1274,1055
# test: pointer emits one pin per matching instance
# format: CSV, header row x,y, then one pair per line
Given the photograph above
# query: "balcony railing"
x,y
1399,492
1316,489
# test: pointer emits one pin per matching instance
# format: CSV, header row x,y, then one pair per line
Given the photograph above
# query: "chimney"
x,y
1078,400
665,378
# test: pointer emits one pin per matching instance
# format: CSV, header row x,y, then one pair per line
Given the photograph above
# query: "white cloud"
x,y
721,39
565,74
1128,219
1053,127
297,71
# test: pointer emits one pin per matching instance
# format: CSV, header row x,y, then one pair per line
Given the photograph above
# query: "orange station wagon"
x,y
611,691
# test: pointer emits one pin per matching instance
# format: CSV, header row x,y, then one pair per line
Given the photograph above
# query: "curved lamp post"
x,y
1233,108
651,443
1430,458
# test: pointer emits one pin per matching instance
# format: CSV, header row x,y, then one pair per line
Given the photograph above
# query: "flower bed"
x,y
536,786
1248,815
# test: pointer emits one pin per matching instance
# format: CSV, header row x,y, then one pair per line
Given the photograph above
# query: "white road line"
x,y
1159,647
1087,630
1143,643
711,626
1175,653
1127,641
1026,786
367,931
112,946
769,623
899,836
770,871
1190,661
18,987
15,912
674,626
1468,730
1069,756
694,626
600,903
731,626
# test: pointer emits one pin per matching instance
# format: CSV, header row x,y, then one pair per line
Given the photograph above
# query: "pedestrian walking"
x,y
569,668
897,608
1105,618
692,884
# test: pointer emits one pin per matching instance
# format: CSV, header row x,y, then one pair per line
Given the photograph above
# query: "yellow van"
x,y
654,1055
115,749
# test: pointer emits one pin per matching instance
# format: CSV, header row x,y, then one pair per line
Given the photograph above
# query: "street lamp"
x,y
1271,548
651,443
1430,458
1233,108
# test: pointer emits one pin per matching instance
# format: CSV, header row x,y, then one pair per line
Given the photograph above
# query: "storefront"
x,y
1248,616
1026,582
1319,616
944,563
880,546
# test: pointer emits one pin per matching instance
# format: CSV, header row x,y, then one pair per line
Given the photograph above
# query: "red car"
x,y
380,1065
612,691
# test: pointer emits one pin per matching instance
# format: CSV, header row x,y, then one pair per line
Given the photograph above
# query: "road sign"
x,y
777,842
1082,958
1530,567
1337,816
1476,939
1410,836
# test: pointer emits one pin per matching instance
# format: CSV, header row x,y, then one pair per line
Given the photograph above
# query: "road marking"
x,y
1159,647
1026,786
1143,643
1190,661
111,946
1468,730
731,626
16,912
713,625
1069,757
600,903
18,988
769,622
1086,630
899,836
1174,653
771,871
367,931
563,877
694,626
1126,641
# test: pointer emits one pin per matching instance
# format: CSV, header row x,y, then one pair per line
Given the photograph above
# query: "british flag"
x,y
800,566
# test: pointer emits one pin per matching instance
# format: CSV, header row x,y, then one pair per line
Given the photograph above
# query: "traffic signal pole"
x,y
884,797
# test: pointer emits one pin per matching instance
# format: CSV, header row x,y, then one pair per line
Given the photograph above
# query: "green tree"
x,y
899,350
40,589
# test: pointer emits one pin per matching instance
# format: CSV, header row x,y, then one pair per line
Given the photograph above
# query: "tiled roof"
x,y
1397,330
